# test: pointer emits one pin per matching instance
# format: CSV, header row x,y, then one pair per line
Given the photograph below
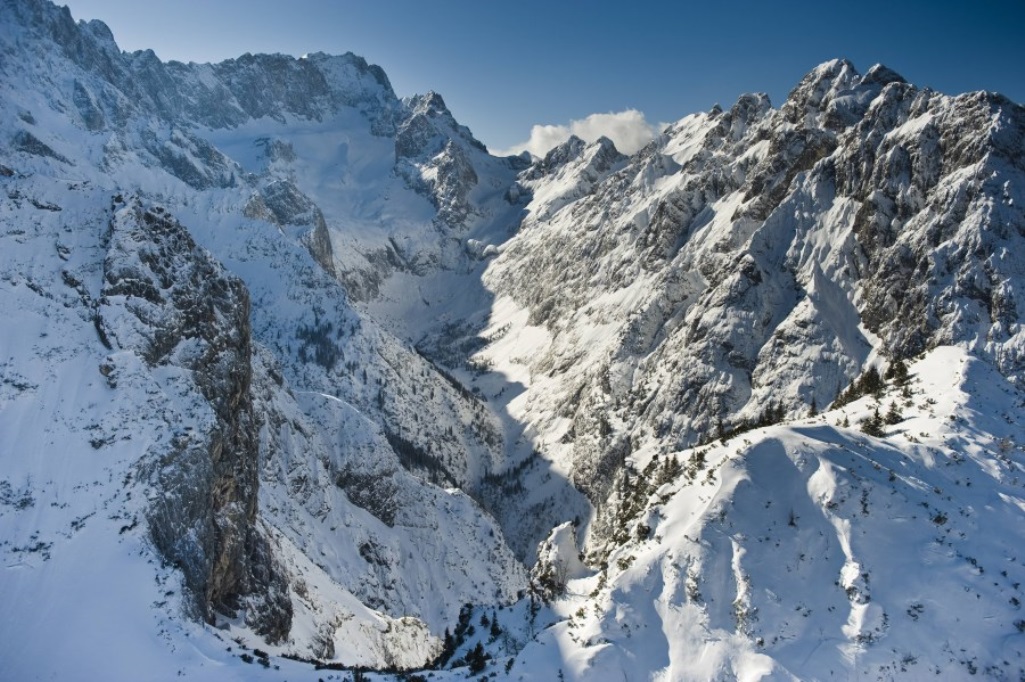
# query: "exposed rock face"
x,y
318,241
934,220
431,154
25,141
168,301
284,204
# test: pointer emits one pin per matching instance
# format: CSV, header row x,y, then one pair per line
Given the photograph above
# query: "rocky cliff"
x,y
167,302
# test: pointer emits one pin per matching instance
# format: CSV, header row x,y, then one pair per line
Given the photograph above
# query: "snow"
x,y
496,343
686,137
847,526
58,393
912,128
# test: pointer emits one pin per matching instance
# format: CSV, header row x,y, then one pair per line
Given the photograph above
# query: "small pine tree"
x,y
696,463
894,415
448,648
669,471
476,659
871,383
813,410
873,426
650,469
844,397
898,373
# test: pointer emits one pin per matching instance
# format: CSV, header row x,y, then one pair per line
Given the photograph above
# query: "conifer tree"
x,y
873,426
871,383
898,373
476,659
894,415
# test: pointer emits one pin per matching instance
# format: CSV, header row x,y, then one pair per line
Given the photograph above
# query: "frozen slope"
x,y
812,551
131,391
752,259
104,457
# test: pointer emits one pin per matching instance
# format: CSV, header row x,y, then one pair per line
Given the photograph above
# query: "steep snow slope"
x,y
123,437
813,551
316,528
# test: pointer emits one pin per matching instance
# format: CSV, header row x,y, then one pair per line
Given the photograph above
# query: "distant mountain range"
x,y
294,373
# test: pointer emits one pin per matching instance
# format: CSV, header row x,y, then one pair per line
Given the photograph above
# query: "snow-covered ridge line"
x,y
113,86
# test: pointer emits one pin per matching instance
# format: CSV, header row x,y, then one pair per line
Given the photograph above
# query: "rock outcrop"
x,y
166,300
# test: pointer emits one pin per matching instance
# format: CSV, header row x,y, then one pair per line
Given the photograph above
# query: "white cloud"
x,y
628,129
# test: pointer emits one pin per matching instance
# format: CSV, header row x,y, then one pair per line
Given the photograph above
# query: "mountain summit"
x,y
295,373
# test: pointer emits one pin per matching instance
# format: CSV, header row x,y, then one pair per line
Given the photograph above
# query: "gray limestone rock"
x,y
167,300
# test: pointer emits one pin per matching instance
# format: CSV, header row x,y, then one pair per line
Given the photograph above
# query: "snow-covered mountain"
x,y
293,364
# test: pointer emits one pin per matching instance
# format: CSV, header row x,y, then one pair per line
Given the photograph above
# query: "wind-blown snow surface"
x,y
287,354
813,551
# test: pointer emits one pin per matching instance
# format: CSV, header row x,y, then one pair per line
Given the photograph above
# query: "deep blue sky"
x,y
504,66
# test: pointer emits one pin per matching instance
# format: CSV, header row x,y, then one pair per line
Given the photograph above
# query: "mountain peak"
x,y
606,144
833,67
427,125
817,89
750,108
100,31
558,156
881,75
428,104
